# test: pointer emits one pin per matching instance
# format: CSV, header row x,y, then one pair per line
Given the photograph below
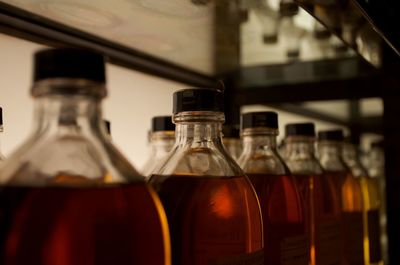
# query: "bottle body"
x,y
351,202
212,209
68,196
98,225
284,223
376,171
320,200
371,205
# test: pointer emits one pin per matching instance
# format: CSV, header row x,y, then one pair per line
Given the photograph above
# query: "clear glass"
x,y
233,146
321,203
67,190
285,237
350,195
161,143
371,205
212,209
376,170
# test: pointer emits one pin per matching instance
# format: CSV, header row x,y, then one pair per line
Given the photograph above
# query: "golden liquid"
x,y
213,220
351,217
371,208
322,211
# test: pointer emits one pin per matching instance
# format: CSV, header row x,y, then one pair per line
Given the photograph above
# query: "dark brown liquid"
x,y
351,215
285,239
322,207
82,226
213,220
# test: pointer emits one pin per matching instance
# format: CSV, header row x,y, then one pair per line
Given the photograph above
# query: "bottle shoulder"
x,y
304,166
263,162
67,160
199,161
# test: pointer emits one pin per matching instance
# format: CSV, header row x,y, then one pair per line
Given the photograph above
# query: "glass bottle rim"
x,y
70,87
330,142
198,117
162,135
260,131
299,139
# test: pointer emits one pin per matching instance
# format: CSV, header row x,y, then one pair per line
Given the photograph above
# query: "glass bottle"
x,y
330,145
2,157
67,194
376,170
212,209
322,206
285,238
162,139
371,204
231,140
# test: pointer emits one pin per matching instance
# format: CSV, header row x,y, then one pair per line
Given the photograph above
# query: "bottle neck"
x,y
329,150
161,143
300,146
57,113
199,127
350,152
330,156
255,139
300,155
377,156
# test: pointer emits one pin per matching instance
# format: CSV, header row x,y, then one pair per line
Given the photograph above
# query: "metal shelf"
x,y
23,24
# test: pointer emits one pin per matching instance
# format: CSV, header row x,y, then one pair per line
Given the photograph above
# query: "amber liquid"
x,y
213,220
371,208
322,208
285,239
352,217
116,225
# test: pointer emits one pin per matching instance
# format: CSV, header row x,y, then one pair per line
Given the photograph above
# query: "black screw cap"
x,y
198,99
162,123
300,129
69,63
268,119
